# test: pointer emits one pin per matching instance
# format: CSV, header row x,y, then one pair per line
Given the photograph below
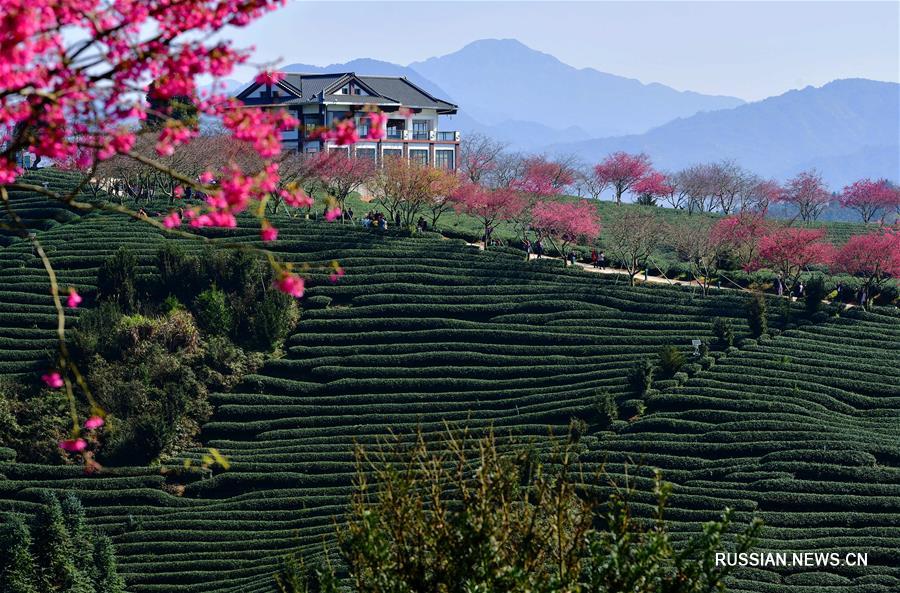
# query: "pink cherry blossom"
x,y
377,122
267,77
290,284
53,380
296,198
74,299
332,214
93,422
337,274
73,445
172,220
206,177
268,233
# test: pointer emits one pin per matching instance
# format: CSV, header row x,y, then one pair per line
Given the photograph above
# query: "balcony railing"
x,y
395,134
421,135
447,136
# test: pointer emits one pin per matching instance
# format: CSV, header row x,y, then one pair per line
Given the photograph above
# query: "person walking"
x,y
602,260
526,243
539,247
572,257
594,257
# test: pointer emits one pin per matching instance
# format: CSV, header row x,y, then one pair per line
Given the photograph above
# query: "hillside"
x,y
799,429
847,128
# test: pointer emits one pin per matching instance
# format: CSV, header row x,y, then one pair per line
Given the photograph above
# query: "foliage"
x,y
640,377
815,293
32,421
117,280
622,171
566,224
757,315
467,515
869,198
875,256
405,188
808,193
59,554
723,329
488,206
543,177
671,359
790,250
632,238
212,312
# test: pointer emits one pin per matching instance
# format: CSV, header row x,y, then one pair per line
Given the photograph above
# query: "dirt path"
x,y
648,279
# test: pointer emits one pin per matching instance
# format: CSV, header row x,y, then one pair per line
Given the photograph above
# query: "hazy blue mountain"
x,y
520,135
846,128
502,80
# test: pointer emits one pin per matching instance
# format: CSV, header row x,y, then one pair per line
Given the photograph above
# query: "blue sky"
x,y
751,50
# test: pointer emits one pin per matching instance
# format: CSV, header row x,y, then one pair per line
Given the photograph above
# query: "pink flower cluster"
x,y
69,71
291,284
343,133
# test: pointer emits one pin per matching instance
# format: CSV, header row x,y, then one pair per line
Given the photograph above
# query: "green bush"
x,y
213,312
640,377
815,293
723,329
503,521
117,280
670,360
756,315
58,554
273,319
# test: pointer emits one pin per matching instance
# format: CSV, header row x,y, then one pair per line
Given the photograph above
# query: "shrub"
x,y
486,520
815,292
274,318
213,312
117,280
723,329
640,378
670,360
756,315
58,553
605,409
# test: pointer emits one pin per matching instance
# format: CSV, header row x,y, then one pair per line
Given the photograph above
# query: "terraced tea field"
x,y
800,429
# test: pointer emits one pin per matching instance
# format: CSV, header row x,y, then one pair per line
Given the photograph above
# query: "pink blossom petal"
x,y
73,445
93,422
53,380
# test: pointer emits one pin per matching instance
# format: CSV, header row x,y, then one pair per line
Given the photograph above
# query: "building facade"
x,y
412,130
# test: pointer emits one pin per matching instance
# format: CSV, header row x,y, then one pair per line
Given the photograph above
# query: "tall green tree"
x,y
107,578
18,573
54,551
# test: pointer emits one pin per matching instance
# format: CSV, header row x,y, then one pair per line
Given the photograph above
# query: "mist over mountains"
x,y
847,129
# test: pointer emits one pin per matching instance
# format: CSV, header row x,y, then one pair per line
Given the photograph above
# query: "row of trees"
x,y
723,187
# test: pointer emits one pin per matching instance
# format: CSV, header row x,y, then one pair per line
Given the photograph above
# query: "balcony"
x,y
447,136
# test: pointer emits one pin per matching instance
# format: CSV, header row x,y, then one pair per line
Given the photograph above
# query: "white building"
x,y
412,130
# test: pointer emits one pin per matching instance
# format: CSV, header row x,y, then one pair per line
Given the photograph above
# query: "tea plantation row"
x,y
799,429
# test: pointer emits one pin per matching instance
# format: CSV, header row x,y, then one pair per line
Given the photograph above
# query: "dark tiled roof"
x,y
388,90
404,92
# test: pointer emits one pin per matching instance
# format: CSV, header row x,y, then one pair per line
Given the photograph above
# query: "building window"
x,y
421,129
343,149
274,94
335,116
395,128
345,90
444,159
419,156
392,153
310,123
365,153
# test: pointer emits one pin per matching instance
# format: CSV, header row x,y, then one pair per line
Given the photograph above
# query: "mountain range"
x,y
847,129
